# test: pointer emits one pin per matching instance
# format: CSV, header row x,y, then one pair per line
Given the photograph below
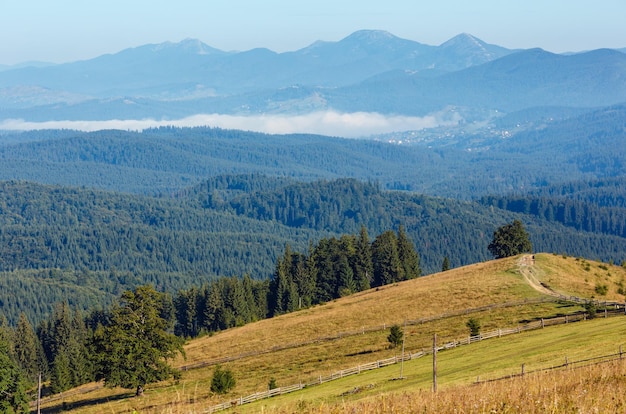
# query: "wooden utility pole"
x,y
435,363
402,362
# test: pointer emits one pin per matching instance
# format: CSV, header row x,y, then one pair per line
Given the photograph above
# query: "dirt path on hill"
x,y
527,268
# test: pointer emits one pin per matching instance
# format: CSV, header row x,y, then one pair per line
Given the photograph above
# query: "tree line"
x,y
335,267
72,347
596,206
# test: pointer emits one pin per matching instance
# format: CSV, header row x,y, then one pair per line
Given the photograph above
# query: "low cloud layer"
x,y
349,125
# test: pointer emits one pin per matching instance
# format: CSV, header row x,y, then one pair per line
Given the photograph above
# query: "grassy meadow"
x,y
301,346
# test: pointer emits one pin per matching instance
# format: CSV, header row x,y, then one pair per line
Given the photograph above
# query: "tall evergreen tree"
x,y
61,373
247,288
13,396
387,265
135,348
408,256
79,360
303,277
235,301
446,264
284,293
345,277
214,309
261,290
364,268
186,313
27,349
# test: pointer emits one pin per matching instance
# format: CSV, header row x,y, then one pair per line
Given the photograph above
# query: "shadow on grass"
x,y
63,406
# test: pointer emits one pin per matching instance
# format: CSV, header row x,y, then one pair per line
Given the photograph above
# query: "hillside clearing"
x,y
291,348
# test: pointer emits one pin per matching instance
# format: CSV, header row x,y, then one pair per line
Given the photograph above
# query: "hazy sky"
x,y
68,30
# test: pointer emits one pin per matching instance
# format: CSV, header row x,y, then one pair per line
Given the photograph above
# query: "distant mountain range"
x,y
371,71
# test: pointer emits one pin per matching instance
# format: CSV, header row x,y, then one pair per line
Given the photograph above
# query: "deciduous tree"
x,y
510,240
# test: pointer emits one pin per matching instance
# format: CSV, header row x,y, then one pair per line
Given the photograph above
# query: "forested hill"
x,y
438,226
88,245
166,161
597,206
58,227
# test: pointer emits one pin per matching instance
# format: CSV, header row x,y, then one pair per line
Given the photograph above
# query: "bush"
x,y
592,309
602,289
272,385
395,336
223,380
474,326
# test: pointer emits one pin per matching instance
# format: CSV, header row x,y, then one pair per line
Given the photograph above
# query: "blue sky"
x,y
68,30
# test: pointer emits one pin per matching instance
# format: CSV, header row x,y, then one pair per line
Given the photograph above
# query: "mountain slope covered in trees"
x,y
167,160
58,242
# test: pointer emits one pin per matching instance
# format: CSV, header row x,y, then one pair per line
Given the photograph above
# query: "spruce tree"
x,y
13,396
186,312
446,264
364,269
61,373
135,348
408,256
214,308
347,285
79,361
26,348
387,265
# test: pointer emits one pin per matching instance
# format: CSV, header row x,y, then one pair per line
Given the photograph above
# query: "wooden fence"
x,y
379,328
567,364
611,309
320,380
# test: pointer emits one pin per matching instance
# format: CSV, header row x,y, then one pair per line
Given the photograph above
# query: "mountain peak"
x,y
463,40
472,49
189,45
370,36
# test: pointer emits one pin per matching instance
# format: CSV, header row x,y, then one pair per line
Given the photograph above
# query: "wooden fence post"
x,y
542,325
523,369
435,363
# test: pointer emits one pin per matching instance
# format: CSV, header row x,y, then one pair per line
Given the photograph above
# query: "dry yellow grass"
x,y
468,287
580,277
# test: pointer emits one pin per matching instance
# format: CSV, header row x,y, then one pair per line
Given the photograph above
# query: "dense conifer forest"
x,y
88,246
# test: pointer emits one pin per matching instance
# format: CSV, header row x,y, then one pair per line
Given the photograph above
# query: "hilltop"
x,y
304,345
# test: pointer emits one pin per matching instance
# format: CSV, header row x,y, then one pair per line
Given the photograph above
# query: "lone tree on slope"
x,y
135,348
395,336
510,240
